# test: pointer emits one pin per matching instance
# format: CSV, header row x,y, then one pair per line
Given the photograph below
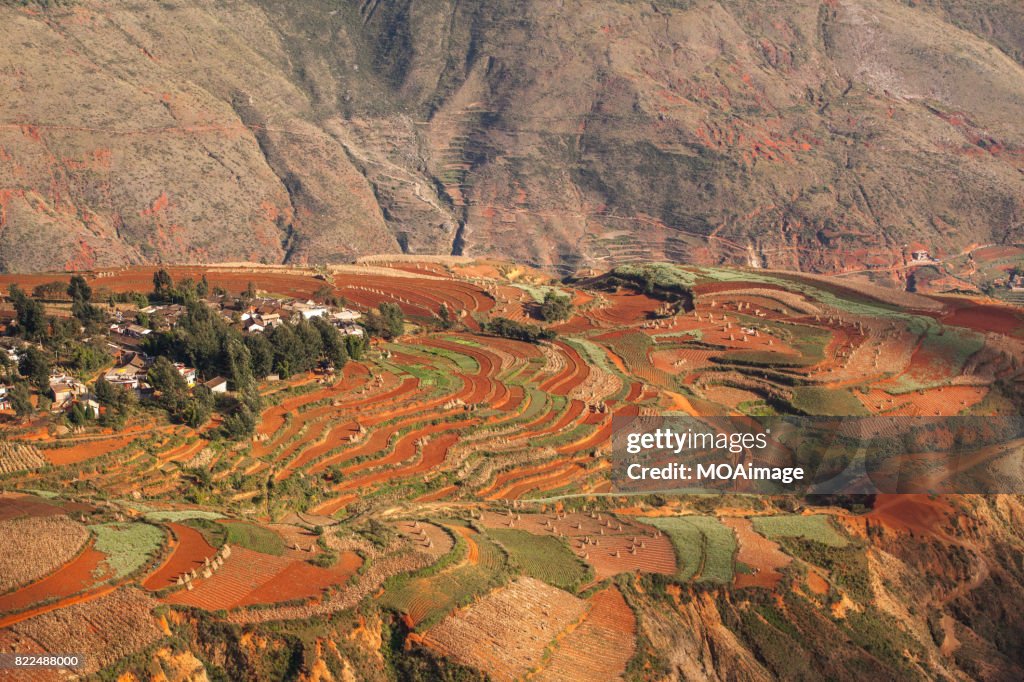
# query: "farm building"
x,y
187,373
217,385
65,390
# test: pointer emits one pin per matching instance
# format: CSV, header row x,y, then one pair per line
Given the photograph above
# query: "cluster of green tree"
x,y
555,307
117,403
447,318
510,329
659,280
52,291
204,340
186,291
172,393
386,322
81,303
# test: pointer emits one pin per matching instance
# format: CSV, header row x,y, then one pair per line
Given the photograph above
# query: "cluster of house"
x,y
259,315
1016,281
252,316
131,373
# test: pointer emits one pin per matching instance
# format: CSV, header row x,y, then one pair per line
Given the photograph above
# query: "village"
x,y
123,333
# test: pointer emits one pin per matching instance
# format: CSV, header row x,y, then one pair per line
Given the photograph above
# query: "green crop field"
x,y
428,598
704,547
543,557
127,545
816,527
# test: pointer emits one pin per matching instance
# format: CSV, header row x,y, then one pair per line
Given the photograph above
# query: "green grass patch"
x,y
543,557
816,527
256,538
827,402
128,546
704,547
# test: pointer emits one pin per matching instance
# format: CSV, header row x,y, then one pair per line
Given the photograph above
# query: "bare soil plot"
x,y
188,553
248,578
757,552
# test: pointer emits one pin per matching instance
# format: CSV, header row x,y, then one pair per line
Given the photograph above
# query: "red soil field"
x,y
301,580
14,505
985,318
921,514
78,574
248,578
190,549
84,451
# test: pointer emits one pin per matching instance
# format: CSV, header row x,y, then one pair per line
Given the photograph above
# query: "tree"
x,y
445,315
21,399
386,322
555,307
355,346
239,363
89,357
283,341
510,329
35,366
79,289
77,415
163,285
171,386
203,288
334,349
261,355
29,313
118,401
198,408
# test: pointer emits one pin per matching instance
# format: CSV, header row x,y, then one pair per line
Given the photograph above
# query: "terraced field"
x,y
461,480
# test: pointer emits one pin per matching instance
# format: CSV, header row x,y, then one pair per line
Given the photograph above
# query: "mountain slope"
x,y
814,135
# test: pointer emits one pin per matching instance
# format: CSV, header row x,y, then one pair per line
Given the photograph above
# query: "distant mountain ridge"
x,y
821,136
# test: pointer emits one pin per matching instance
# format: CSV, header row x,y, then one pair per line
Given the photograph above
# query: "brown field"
x,y
104,630
506,632
36,546
600,647
79,574
759,553
420,532
609,544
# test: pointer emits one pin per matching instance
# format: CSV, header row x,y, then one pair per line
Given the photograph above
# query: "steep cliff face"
x,y
806,134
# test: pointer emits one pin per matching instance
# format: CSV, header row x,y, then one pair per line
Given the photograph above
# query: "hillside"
x,y
819,136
